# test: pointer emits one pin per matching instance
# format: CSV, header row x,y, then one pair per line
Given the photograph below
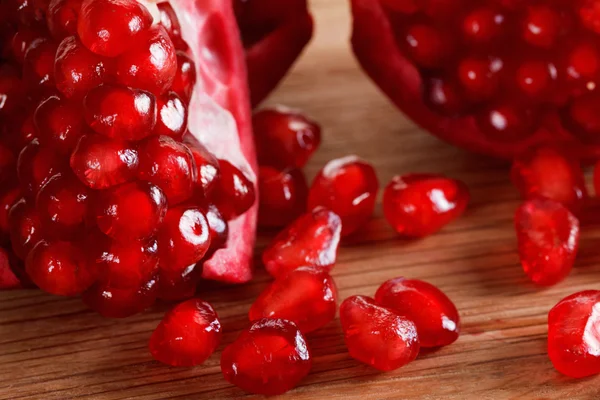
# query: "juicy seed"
x,y
59,124
120,303
168,19
25,228
172,116
38,65
234,193
207,166
282,195
219,231
8,198
62,17
176,286
185,77
36,165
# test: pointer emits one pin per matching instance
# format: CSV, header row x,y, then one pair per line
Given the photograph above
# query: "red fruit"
x,y
172,116
8,280
432,312
207,166
376,335
187,335
25,228
59,124
169,165
120,303
23,39
548,238
418,205
552,173
62,17
150,64
38,65
11,90
168,19
285,138
62,206
483,24
36,165
100,162
59,268
183,238
283,196
8,197
219,230
270,358
573,331
110,27
120,112
179,285
347,186
185,76
7,164
306,296
27,131
234,192
130,211
312,240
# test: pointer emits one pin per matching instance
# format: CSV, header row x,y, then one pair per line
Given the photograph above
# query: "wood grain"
x,y
53,348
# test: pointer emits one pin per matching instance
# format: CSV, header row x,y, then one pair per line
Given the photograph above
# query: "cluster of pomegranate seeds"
x,y
283,196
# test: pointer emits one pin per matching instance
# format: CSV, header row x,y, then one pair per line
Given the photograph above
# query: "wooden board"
x,y
53,348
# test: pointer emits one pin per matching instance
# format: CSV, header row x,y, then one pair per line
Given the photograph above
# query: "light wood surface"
x,y
53,348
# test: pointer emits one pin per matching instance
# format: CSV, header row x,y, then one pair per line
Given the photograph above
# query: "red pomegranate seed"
x,y
77,70
234,193
269,358
443,96
62,17
306,296
483,25
110,27
207,166
25,228
100,162
183,238
573,331
120,303
168,19
376,335
172,116
59,124
548,238
589,14
427,45
582,119
432,312
23,39
130,211
27,131
312,240
347,186
187,335
284,137
59,268
550,172
150,64
7,164
219,231
535,78
36,165
38,65
8,197
62,206
8,280
11,91
541,25
179,285
283,196
418,205
479,77
185,77
120,112
169,165
505,122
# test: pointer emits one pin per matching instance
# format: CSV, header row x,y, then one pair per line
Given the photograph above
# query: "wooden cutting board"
x,y
53,348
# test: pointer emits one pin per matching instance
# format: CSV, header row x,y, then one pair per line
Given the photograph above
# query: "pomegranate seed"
x,y
150,64
234,192
183,238
482,25
548,237
59,124
7,164
120,303
179,285
28,131
433,313
185,76
110,27
62,205
376,335
25,228
169,165
36,165
168,19
62,17
284,137
207,166
219,231
479,77
348,186
283,196
589,14
505,122
22,40
38,64
582,117
187,335
536,78
8,280
312,240
444,97
8,198
59,268
306,296
130,211
100,162
427,45
573,334
172,116
270,358
541,26
418,205
550,172
120,112
11,91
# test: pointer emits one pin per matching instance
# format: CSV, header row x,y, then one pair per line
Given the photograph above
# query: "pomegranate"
x,y
495,77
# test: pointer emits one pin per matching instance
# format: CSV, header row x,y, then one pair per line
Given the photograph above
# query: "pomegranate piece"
x,y
100,162
21,41
284,137
548,238
551,173
172,116
25,228
376,335
59,124
8,279
219,231
130,211
187,335
270,357
283,196
110,27
311,240
418,205
432,312
573,332
207,166
185,76
234,192
36,165
120,303
38,64
120,112
306,296
62,17
59,268
347,186
168,19
179,285
183,238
